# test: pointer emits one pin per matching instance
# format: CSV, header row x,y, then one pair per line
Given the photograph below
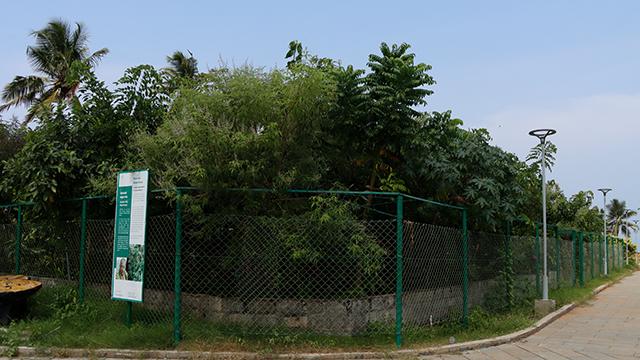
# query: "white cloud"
x,y
597,141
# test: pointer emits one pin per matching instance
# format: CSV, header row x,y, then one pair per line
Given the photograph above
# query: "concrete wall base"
x,y
544,307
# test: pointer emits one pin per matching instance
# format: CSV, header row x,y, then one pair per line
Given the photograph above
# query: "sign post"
x,y
129,237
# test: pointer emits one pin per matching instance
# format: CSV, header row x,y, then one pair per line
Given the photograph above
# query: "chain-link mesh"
x,y
525,256
157,307
50,250
262,274
567,261
588,263
7,249
276,273
488,281
432,275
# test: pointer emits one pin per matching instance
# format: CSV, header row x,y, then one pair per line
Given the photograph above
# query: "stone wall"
x,y
344,317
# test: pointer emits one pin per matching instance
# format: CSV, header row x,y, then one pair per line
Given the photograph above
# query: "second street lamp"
x,y
604,192
542,135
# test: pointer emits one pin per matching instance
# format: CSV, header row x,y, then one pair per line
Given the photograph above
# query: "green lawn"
x,y
58,320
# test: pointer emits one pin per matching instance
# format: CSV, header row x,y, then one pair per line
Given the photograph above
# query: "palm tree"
x,y
619,218
59,54
182,66
535,154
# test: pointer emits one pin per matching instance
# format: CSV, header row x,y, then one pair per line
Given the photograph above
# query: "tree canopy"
x,y
315,123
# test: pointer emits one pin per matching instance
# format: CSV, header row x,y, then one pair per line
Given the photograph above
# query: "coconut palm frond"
x,y
22,90
58,47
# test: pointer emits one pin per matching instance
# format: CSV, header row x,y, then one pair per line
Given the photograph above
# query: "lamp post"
x,y
604,192
542,135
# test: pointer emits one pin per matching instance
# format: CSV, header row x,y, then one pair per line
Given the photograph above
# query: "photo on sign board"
x,y
121,269
135,262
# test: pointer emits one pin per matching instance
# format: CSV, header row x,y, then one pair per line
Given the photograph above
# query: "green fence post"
x,y
177,288
537,257
83,242
18,239
558,266
613,254
581,257
619,254
129,315
622,253
600,242
605,255
465,269
593,256
573,257
617,245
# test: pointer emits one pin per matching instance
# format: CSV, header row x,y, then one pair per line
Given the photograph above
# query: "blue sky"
x,y
509,66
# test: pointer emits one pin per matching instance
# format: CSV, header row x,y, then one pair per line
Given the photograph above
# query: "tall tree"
x,y
182,65
395,86
619,218
59,57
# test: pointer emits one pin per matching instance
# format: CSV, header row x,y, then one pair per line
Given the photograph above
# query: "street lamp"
x,y
604,192
542,135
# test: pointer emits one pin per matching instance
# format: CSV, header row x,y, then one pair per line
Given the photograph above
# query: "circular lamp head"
x,y
542,133
604,191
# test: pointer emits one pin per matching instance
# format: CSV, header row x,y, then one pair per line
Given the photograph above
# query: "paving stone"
x,y
605,328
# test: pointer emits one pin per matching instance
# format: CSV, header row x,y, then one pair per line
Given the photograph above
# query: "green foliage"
x,y
342,234
395,86
535,155
242,128
65,304
135,262
294,256
40,170
141,93
295,53
313,124
459,166
619,218
576,212
182,66
12,137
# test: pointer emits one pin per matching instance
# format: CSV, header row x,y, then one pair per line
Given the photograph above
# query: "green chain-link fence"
x,y
388,271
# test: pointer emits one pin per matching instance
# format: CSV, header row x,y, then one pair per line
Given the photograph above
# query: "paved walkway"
x,y
608,327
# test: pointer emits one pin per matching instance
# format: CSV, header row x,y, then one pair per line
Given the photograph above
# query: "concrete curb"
x,y
600,288
24,351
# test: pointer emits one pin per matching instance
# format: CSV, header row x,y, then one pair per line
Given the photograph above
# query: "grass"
x,y
579,295
57,319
